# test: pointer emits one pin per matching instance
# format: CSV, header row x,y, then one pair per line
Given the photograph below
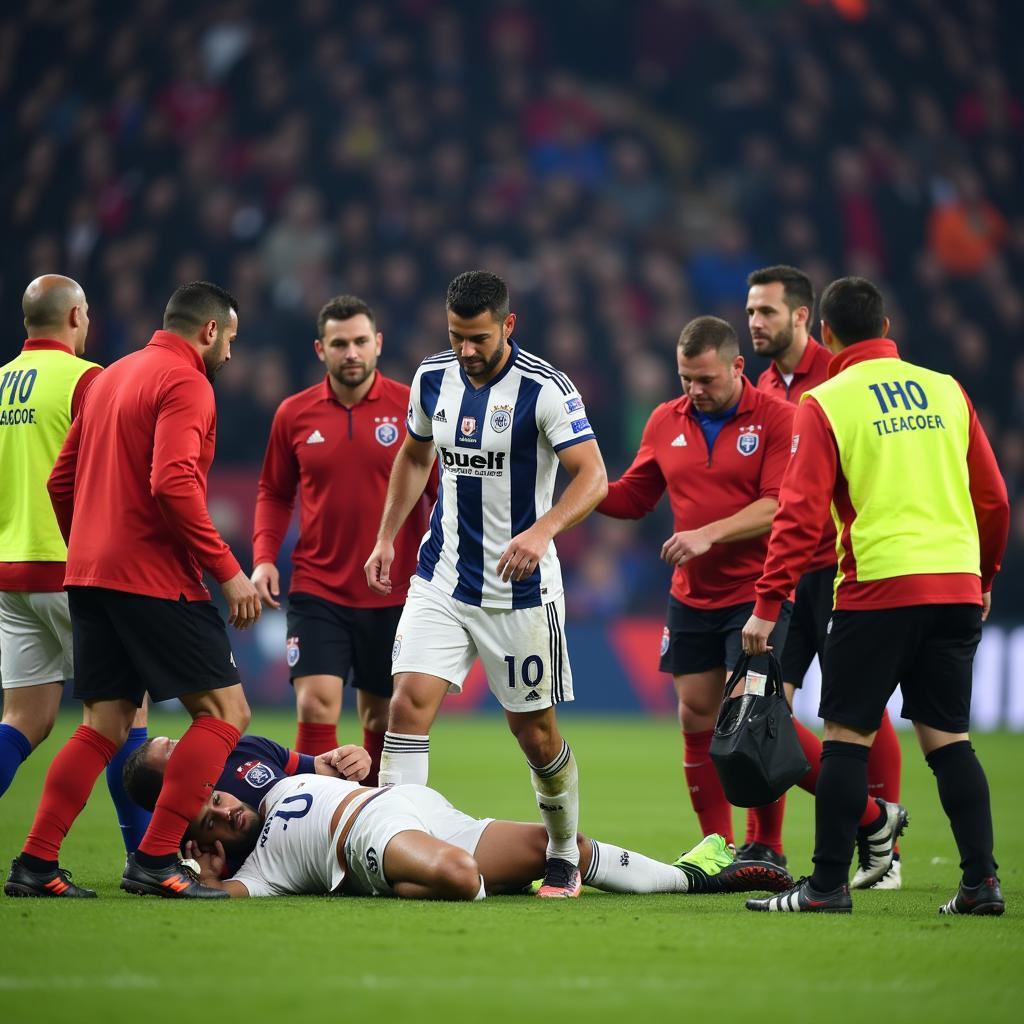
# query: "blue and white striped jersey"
x,y
496,449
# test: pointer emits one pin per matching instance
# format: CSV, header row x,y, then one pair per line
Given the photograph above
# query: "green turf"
x,y
602,957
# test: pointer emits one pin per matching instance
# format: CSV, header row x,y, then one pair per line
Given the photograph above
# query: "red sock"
x,y
373,743
69,782
706,794
751,827
811,746
192,771
885,762
767,822
313,738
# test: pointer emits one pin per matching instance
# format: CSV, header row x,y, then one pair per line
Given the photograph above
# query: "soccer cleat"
x,y
802,899
893,878
758,851
23,882
561,880
711,867
984,898
875,849
175,882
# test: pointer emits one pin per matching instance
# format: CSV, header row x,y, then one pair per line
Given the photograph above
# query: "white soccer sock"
x,y
616,870
558,797
404,759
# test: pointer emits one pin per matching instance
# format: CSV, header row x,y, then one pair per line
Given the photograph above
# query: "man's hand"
x,y
211,862
346,762
523,554
267,581
243,601
986,604
755,635
378,567
683,546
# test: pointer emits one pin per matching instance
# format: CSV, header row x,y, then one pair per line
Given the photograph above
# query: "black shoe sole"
x,y
137,888
23,891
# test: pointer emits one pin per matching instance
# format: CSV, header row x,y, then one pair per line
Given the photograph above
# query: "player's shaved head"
x,y
48,300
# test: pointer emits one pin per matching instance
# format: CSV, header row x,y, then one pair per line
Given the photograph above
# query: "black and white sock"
x,y
404,759
557,787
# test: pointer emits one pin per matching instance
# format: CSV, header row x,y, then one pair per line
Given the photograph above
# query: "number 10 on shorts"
x,y
531,671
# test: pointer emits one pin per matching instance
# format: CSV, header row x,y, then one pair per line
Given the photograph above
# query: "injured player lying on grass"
x,y
319,835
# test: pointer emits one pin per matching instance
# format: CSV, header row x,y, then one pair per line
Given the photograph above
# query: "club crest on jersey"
x,y
501,418
291,651
468,426
747,444
386,430
256,774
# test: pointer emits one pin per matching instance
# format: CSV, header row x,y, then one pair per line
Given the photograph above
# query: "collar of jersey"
x,y
176,343
45,344
501,376
806,360
859,351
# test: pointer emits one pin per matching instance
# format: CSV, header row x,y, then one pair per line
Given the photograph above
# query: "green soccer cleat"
x,y
711,867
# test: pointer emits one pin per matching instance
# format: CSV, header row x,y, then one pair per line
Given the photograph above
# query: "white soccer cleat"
x,y
893,878
876,849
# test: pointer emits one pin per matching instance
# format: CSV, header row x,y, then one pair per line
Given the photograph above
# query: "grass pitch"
x,y
602,957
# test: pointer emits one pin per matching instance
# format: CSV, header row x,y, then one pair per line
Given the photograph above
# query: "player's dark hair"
x,y
142,782
474,291
707,333
343,307
797,289
197,303
853,307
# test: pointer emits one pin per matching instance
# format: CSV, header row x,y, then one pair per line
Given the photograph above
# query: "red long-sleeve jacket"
x,y
129,486
745,464
339,460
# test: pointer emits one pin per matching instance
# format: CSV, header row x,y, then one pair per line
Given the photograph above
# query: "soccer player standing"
x,y
780,302
129,494
488,581
887,442
720,451
41,392
335,443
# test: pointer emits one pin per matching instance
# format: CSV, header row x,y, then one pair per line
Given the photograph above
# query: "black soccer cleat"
x,y
21,881
751,876
178,881
802,899
984,898
758,851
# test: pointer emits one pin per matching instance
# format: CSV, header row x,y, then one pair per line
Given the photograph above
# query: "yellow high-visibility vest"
x,y
36,390
902,434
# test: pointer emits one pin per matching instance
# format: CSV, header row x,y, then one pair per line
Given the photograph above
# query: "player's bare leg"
x,y
414,707
420,867
318,702
373,710
556,784
700,698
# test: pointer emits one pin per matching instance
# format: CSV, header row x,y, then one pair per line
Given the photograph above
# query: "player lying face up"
x,y
314,835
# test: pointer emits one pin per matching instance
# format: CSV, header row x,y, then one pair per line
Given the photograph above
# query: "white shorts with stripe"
x,y
35,638
402,809
523,650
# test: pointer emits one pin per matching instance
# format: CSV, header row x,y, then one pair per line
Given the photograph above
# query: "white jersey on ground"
x,y
295,853
497,453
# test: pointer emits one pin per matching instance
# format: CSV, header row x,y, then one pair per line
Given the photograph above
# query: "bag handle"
x,y
773,677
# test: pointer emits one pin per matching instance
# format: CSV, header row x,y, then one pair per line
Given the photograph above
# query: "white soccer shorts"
x,y
402,809
523,650
35,639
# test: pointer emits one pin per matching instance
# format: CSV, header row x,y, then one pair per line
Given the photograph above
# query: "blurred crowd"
x,y
623,165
